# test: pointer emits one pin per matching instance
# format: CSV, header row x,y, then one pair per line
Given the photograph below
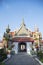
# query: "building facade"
x,y
24,39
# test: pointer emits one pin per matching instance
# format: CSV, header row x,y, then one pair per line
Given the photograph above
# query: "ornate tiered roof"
x,y
23,31
25,34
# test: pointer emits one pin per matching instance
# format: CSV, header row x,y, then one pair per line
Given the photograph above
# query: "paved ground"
x,y
21,59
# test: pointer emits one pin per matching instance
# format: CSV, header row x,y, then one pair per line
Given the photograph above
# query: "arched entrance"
x,y
22,47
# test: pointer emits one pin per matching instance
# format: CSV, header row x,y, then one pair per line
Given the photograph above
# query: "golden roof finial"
x,y
23,22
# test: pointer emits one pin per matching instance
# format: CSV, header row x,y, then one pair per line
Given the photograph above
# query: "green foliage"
x,y
40,55
41,60
3,55
2,63
33,52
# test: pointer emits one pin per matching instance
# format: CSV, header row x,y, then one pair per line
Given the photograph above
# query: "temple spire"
x,y
36,28
23,24
23,20
8,29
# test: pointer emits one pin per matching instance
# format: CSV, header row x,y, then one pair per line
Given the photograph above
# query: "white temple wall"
x,y
29,45
15,47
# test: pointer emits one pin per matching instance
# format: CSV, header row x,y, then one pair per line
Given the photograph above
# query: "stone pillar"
x,y
29,47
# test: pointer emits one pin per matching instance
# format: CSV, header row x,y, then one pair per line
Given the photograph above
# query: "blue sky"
x,y
13,11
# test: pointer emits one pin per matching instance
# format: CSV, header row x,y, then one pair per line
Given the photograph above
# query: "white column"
x,y
29,47
15,47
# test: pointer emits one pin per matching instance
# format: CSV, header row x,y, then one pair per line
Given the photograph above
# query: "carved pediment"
x,y
23,31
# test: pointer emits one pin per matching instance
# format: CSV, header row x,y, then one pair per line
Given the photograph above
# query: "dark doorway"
x,y
22,47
